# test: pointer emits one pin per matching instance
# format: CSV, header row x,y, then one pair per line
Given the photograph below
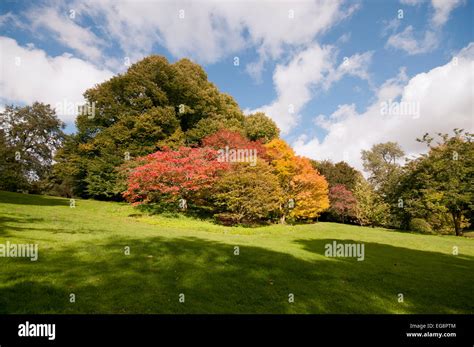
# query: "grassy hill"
x,y
81,251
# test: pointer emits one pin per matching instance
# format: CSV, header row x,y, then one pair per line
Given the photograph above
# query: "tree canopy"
x,y
29,137
153,105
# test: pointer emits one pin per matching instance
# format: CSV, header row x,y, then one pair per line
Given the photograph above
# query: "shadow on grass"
x,y
214,280
30,199
6,228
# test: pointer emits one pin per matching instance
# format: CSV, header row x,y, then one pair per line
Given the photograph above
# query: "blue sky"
x,y
332,62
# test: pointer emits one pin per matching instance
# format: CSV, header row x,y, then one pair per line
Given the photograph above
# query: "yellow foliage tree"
x,y
310,190
301,183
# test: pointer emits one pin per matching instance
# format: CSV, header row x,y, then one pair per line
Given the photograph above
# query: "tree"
x,y
232,140
300,182
413,197
452,173
170,175
343,204
66,178
153,105
260,127
441,181
309,190
212,124
282,157
381,161
369,209
247,193
29,136
339,173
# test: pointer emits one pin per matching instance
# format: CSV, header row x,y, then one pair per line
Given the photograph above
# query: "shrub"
x,y
420,225
247,194
172,174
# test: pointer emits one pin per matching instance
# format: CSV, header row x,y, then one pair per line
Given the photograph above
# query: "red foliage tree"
x,y
343,202
171,173
233,140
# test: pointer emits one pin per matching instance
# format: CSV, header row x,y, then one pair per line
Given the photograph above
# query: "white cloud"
x,y
211,30
356,65
343,111
29,75
67,31
10,19
406,41
445,98
443,9
308,70
208,31
428,41
293,83
344,38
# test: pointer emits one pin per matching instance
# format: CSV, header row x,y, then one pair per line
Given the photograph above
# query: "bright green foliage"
x,y
260,127
440,182
370,209
248,193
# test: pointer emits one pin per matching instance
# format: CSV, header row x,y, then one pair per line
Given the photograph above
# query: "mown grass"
x,y
81,251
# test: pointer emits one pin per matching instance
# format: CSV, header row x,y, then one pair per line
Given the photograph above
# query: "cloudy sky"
x,y
337,76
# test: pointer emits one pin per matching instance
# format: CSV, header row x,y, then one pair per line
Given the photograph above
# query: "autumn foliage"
x,y
343,202
239,191
172,173
310,191
233,140
300,182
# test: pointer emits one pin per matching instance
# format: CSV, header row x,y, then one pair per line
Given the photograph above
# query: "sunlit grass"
x,y
81,251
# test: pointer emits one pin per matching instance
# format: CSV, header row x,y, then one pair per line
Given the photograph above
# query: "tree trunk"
x,y
457,223
283,219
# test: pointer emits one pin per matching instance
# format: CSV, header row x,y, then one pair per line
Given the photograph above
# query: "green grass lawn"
x,y
81,251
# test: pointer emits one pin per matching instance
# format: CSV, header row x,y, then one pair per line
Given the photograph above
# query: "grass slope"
x,y
81,251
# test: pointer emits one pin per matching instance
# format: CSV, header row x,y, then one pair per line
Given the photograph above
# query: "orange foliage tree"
x,y
310,191
305,190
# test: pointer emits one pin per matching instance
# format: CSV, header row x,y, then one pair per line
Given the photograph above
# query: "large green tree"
x,y
153,105
382,163
29,136
440,182
339,173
